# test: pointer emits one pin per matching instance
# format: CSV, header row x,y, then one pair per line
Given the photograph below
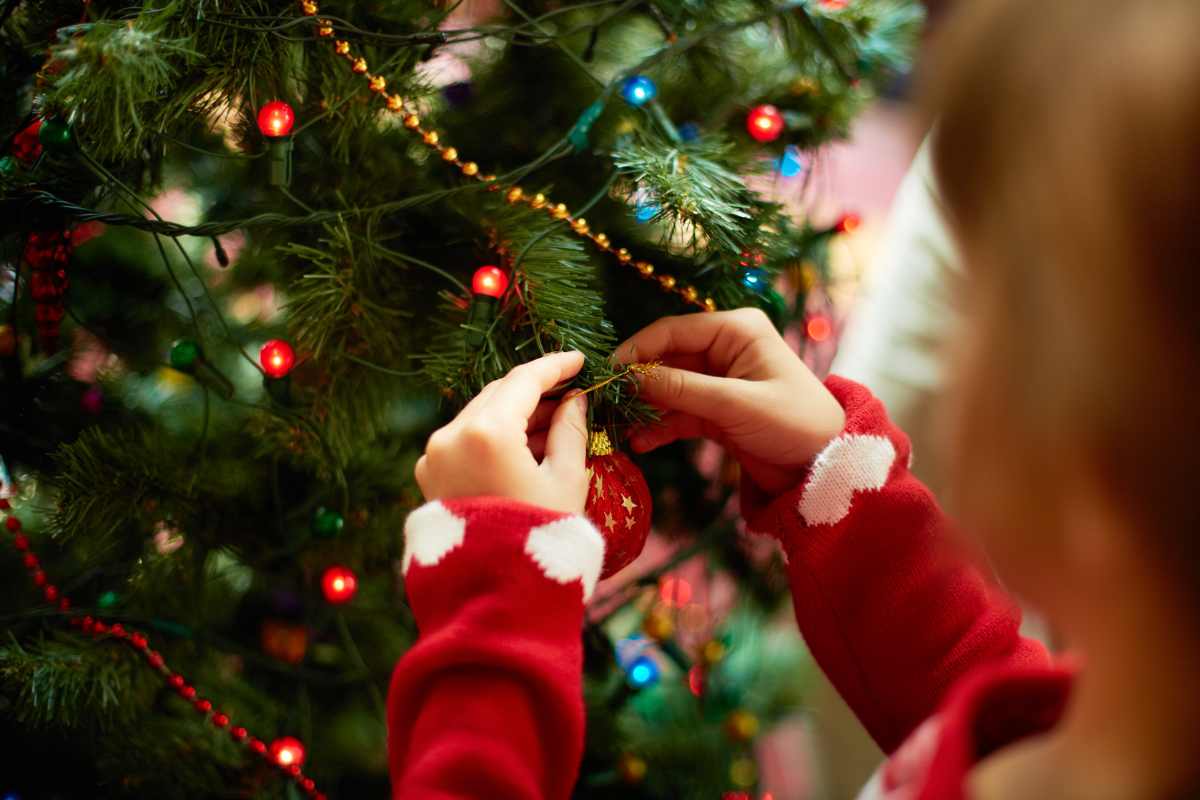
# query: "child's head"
x,y
1068,153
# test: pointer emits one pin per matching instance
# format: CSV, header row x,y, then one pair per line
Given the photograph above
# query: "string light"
x,y
287,751
755,279
643,672
275,119
412,122
764,123
791,163
488,285
489,281
277,358
639,90
675,591
339,585
818,328
848,223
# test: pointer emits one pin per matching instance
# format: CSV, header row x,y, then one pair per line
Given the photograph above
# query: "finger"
x,y
694,362
539,420
672,427
479,400
691,333
690,392
566,441
537,445
420,472
518,393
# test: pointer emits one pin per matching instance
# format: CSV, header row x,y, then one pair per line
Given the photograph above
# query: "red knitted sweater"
x,y
918,640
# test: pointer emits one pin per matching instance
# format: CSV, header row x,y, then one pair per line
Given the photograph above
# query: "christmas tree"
x,y
254,252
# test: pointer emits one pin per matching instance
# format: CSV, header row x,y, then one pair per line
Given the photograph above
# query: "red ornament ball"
x,y
339,584
275,119
618,503
287,751
277,358
764,123
489,281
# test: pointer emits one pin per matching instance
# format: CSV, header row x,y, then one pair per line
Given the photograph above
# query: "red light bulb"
x,y
848,223
275,119
339,585
764,123
489,281
287,751
277,358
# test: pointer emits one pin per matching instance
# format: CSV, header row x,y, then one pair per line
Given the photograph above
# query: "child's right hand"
x,y
729,376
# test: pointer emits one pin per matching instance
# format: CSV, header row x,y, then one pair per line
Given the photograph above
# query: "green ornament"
x,y
56,135
8,165
184,354
327,523
108,600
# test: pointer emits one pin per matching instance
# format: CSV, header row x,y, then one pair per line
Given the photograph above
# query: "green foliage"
x,y
113,77
61,683
702,199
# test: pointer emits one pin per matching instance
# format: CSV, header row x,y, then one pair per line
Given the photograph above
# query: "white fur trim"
x,y
850,463
430,533
568,549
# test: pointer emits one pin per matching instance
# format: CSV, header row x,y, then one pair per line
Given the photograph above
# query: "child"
x,y
1068,153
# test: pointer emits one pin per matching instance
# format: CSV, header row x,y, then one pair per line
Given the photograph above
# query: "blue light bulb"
x,y
755,279
643,672
645,212
638,90
791,163
689,131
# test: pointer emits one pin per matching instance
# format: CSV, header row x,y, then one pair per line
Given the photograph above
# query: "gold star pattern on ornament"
x,y
598,485
630,522
627,501
609,522
513,194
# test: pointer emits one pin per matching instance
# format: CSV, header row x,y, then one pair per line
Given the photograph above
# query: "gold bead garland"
x,y
513,194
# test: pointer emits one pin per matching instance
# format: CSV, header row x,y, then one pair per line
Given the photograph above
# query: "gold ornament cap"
x,y
599,444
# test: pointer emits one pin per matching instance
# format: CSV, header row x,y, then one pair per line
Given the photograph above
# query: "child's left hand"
x,y
494,446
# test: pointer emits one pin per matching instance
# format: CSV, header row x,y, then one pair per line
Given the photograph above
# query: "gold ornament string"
x,y
513,194
646,368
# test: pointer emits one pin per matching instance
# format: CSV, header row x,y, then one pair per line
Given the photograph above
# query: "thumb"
x,y
566,440
703,396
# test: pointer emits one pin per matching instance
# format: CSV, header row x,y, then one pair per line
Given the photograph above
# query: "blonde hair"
x,y
1067,148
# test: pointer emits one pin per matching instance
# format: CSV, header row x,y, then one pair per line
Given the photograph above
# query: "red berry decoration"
x,y
764,123
47,253
618,503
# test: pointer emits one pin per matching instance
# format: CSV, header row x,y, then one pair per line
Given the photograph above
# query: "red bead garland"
x,y
176,681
